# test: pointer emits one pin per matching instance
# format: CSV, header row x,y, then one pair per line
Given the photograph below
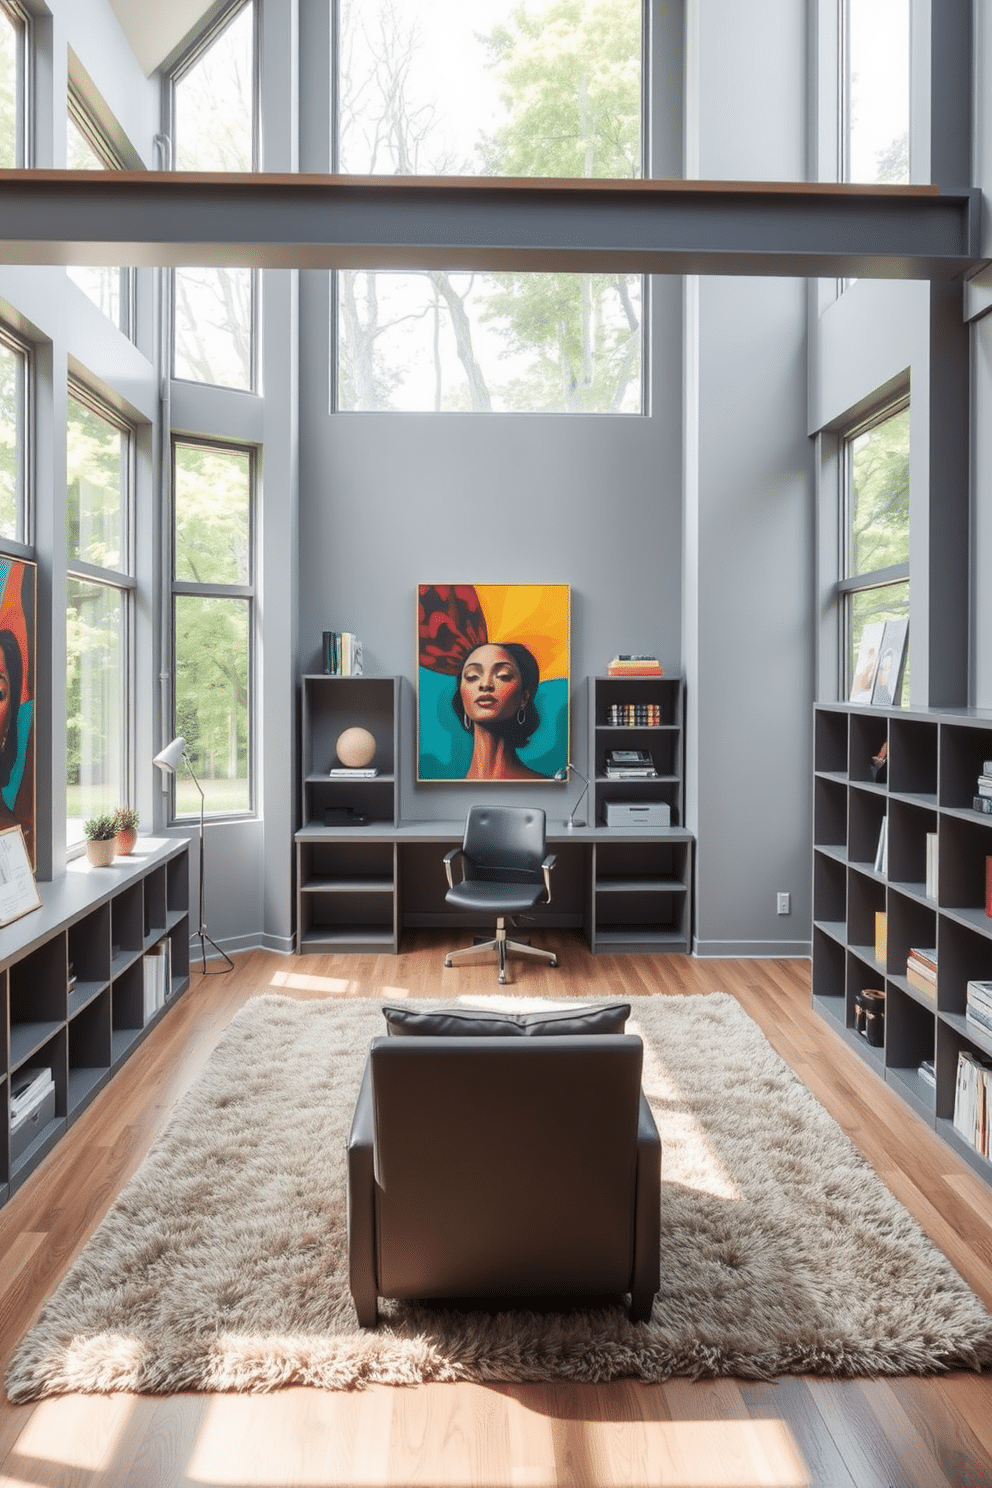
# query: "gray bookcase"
x,y
934,760
72,984
345,888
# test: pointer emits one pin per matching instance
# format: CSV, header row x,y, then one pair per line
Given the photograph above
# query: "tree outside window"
x,y
107,286
12,35
213,599
13,384
876,580
546,88
875,88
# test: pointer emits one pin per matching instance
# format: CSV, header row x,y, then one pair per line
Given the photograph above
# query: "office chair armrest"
x,y
546,868
448,860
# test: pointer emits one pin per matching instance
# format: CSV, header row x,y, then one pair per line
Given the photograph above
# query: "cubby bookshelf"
x,y
71,984
933,763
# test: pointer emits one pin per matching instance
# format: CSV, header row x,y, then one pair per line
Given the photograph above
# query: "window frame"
x,y
104,148
23,538
123,580
20,19
247,592
849,584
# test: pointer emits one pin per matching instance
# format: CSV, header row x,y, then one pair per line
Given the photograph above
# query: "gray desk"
x,y
629,888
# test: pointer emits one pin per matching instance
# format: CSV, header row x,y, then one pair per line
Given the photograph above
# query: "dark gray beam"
x,y
652,227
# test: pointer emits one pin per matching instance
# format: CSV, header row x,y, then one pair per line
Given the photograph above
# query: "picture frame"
x,y
493,682
887,689
866,667
18,888
18,697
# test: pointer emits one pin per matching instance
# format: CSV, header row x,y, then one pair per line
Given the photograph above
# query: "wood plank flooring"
x,y
793,1433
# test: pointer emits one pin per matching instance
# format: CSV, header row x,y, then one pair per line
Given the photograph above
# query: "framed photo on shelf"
x,y
18,889
492,681
887,691
866,668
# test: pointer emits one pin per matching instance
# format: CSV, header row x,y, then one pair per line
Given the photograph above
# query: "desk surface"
x,y
452,831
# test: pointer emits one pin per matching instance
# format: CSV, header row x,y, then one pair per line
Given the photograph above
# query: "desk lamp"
x,y
563,775
168,761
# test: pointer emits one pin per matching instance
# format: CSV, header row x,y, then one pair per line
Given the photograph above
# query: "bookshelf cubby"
x,y
933,762
71,983
664,741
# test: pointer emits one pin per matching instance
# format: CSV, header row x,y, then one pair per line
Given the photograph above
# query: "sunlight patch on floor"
x,y
703,1454
299,981
78,1431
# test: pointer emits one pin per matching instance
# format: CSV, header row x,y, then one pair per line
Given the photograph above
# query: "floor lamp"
x,y
168,761
562,774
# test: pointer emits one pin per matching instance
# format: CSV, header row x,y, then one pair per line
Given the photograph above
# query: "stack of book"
x,y
342,654
345,772
921,971
28,1088
973,1100
157,972
978,1006
630,764
983,800
634,715
629,665
927,1072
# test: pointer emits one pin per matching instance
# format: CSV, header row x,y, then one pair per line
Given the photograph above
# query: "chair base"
x,y
502,947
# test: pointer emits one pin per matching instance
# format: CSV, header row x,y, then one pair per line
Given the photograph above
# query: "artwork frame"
x,y
866,666
18,888
18,698
887,689
493,682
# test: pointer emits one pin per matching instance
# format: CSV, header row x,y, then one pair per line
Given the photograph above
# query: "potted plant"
x,y
127,829
101,839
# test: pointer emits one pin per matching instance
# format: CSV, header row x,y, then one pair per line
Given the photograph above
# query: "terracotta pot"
x,y
126,839
101,854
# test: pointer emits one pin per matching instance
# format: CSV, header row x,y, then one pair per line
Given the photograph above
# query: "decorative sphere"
x,y
356,748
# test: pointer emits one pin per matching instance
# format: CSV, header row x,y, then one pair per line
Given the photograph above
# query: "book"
x,y
988,887
28,1086
921,983
626,664
614,774
983,804
932,859
881,935
344,772
629,757
926,956
977,997
987,768
882,850
981,1020
927,1072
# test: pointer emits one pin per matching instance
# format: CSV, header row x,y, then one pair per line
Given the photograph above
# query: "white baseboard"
x,y
765,950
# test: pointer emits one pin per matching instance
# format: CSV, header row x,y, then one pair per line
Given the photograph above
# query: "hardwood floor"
x,y
794,1432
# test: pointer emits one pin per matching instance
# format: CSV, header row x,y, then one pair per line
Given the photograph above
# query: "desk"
x,y
357,888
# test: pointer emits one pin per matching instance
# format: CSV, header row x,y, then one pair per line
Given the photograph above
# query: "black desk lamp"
x,y
563,775
168,761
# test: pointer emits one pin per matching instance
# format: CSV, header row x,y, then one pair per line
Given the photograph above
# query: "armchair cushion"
x,y
406,1022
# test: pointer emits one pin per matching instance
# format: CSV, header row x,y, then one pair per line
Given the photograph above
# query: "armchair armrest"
x,y
448,860
361,1205
546,868
647,1220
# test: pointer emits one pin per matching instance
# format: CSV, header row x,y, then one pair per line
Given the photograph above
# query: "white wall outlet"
x,y
782,904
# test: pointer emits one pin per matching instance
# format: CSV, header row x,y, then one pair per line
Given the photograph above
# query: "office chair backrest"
x,y
505,844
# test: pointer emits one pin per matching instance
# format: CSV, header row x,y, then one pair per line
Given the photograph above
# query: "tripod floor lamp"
x,y
168,761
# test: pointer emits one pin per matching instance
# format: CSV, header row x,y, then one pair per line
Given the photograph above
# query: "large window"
x,y
99,467
214,112
108,287
213,601
13,439
875,584
12,73
875,89
539,88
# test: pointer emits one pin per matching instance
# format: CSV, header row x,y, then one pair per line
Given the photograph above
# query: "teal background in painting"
x,y
445,749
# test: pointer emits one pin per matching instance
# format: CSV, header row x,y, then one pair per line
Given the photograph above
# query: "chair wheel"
x,y
502,980
447,960
554,960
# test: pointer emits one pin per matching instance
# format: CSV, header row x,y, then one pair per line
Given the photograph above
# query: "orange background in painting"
x,y
12,618
535,615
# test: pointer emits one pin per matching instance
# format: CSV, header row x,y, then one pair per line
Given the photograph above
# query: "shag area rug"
x,y
223,1264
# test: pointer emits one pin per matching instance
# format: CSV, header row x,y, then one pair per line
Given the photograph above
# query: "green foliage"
x,y
879,483
95,455
101,828
10,439
212,515
212,688
9,93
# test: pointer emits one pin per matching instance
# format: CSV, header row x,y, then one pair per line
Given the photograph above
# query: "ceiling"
x,y
155,30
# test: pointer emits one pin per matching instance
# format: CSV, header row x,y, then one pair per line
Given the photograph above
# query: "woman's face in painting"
x,y
491,687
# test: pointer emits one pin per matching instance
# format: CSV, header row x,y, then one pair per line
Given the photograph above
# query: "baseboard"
x,y
765,950
282,944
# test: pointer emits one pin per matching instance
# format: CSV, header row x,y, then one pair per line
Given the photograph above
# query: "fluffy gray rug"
x,y
223,1266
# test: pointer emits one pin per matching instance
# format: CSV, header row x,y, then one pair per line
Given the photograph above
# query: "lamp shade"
x,y
168,758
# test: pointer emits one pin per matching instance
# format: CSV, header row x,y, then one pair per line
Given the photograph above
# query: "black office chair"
x,y
506,870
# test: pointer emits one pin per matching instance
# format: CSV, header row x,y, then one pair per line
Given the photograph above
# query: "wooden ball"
x,y
356,748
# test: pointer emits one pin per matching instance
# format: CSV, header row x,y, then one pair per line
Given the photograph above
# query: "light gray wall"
x,y
748,506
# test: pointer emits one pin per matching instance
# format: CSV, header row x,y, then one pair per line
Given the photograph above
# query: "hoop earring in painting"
x,y
466,725
521,716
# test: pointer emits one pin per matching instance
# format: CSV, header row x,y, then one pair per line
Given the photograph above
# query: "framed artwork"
x,y
18,590
887,692
492,681
18,890
863,681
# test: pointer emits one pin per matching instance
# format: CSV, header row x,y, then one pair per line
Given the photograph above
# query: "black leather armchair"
x,y
505,870
504,1168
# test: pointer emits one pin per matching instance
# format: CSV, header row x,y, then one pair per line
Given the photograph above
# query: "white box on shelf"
x,y
638,814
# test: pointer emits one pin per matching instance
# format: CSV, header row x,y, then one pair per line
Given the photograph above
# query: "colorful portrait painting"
x,y
492,681
17,698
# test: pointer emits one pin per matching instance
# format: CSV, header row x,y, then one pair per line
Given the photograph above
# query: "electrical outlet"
x,y
782,904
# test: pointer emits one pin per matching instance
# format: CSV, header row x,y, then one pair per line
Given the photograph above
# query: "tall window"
x,y
13,439
214,111
99,460
108,287
875,585
213,599
875,89
501,88
13,34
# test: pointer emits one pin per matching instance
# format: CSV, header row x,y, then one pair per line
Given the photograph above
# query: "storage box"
x,y
638,814
24,1128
